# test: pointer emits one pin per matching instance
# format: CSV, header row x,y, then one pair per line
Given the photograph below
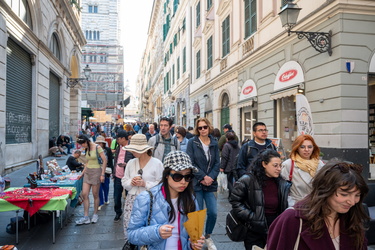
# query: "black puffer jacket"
x,y
248,191
228,156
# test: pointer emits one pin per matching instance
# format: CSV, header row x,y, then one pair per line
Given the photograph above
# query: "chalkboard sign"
x,y
18,128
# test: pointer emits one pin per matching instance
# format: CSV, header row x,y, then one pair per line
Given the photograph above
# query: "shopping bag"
x,y
222,181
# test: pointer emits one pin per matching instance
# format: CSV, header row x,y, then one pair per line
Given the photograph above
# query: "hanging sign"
x,y
248,90
290,74
304,118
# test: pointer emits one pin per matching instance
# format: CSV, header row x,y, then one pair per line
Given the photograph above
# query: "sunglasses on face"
x,y
203,127
178,177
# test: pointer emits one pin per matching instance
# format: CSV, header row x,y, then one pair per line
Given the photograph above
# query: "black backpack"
x,y
235,173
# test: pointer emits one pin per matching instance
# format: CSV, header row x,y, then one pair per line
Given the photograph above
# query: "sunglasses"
x,y
178,177
203,127
140,172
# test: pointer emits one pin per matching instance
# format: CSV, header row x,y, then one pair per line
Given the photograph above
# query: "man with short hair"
x,y
163,142
251,148
226,128
151,132
122,157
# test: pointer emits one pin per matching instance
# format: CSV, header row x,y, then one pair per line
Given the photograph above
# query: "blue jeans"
x,y
211,204
103,191
117,195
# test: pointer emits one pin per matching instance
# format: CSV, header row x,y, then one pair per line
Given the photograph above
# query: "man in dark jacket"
x,y
72,162
226,128
121,159
64,141
251,148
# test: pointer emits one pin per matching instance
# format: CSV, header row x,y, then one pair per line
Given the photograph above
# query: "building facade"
x,y
40,49
245,67
104,90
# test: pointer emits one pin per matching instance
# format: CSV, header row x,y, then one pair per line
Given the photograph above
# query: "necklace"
x,y
333,228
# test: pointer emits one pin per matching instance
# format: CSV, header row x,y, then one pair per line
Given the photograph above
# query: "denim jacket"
x,y
141,234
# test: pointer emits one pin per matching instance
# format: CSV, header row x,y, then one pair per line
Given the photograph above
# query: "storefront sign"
x,y
248,90
304,117
290,74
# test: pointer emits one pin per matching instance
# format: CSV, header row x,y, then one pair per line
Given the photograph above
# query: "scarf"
x,y
309,166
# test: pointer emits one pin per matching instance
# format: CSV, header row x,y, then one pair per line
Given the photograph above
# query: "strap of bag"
x,y
291,171
299,234
98,156
151,203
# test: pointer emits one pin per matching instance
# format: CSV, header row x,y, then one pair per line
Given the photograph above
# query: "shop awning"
x,y
284,93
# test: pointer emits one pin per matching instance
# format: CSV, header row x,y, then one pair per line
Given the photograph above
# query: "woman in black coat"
x,y
259,196
228,158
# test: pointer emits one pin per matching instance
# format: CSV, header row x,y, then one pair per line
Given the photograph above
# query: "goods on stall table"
x,y
8,247
54,167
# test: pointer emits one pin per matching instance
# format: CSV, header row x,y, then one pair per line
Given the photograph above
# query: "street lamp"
x,y
72,82
320,41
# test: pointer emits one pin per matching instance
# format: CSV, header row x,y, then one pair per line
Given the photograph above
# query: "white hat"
x,y
138,144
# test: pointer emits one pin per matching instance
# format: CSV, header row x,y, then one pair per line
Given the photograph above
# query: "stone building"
x,y
40,48
104,90
246,67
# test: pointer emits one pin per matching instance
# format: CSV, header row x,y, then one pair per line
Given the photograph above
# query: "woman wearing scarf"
x,y
301,167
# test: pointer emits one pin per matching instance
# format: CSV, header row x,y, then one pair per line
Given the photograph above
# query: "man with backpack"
x,y
251,148
163,142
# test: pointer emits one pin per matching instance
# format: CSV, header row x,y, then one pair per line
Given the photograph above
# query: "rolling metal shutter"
x,y
54,105
18,94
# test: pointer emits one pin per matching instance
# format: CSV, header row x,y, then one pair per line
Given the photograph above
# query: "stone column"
x,y
75,111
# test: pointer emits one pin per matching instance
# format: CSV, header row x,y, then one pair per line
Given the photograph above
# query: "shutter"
x,y
18,94
54,105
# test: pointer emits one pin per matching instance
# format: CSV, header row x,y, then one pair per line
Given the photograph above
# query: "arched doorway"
x,y
224,110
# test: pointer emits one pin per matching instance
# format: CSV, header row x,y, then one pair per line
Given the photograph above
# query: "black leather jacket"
x,y
247,201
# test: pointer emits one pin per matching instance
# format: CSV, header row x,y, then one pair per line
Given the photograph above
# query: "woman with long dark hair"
x,y
331,217
93,174
259,196
172,200
302,166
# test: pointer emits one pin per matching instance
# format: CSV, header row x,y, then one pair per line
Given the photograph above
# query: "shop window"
x,y
287,125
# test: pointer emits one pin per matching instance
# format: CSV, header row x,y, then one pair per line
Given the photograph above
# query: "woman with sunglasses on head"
x,y
141,173
203,150
302,166
259,196
93,175
331,217
172,200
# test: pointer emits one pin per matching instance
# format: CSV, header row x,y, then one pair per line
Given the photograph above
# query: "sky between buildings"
x,y
135,16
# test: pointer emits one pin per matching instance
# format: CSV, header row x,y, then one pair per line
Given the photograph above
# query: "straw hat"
x,y
138,144
100,139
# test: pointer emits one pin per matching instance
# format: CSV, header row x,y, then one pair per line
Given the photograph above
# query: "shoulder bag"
x,y
130,246
236,230
108,170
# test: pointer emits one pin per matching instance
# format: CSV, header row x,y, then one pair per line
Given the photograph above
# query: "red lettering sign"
x,y
288,75
247,90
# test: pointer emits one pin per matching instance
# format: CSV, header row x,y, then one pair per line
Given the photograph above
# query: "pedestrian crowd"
x,y
165,171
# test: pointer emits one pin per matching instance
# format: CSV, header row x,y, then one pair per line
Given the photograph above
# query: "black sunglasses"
x,y
178,177
140,172
203,127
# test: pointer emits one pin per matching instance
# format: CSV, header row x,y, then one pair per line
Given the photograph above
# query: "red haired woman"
x,y
302,166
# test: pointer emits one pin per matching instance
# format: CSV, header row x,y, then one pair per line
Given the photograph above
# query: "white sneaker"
x,y
107,202
210,244
83,220
95,218
100,207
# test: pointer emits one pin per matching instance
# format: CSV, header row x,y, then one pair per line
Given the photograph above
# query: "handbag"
x,y
108,170
130,246
236,230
